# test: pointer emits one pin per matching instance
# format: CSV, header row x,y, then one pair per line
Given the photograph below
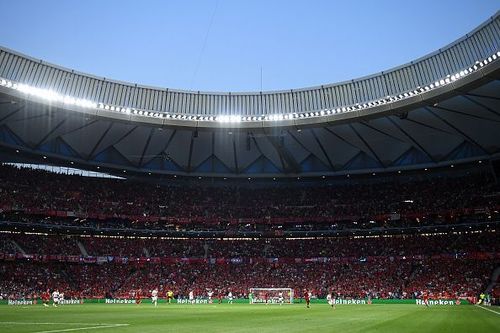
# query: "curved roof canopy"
x,y
439,109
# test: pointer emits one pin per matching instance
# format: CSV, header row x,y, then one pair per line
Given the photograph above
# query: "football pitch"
x,y
249,318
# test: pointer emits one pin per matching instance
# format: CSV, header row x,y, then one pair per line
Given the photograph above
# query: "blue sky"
x,y
221,45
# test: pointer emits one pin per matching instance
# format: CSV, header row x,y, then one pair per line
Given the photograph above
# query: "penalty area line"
x,y
83,328
95,327
490,310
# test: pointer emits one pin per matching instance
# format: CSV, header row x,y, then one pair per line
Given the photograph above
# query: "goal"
x,y
270,296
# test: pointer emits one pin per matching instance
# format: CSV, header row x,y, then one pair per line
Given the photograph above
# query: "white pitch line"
x,y
490,310
35,323
83,328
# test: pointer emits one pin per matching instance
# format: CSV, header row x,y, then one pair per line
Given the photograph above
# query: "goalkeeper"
x,y
482,296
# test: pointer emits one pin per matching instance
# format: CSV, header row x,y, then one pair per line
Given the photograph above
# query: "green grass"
x,y
249,318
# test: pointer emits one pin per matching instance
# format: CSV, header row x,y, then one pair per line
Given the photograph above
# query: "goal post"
x,y
270,296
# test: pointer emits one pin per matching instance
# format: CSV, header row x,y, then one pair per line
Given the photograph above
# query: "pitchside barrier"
x,y
432,302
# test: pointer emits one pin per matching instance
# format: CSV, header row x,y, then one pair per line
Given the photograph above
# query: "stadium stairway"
x,y
493,281
146,252
413,274
266,250
72,280
18,247
131,275
82,248
206,247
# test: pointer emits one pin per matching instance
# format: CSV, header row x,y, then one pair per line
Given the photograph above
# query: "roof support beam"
x,y
465,114
465,136
322,149
483,106
99,141
412,139
291,164
11,113
46,136
481,96
237,169
191,144
146,146
366,143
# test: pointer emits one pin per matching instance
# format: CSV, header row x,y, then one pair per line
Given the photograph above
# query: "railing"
x,y
30,227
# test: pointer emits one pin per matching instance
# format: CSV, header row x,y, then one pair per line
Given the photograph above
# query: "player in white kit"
x,y
230,298
281,299
191,297
154,297
331,300
210,293
55,298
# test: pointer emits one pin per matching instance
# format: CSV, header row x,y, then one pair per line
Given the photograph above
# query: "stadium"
x,y
369,205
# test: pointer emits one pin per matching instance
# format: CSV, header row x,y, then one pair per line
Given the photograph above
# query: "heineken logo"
x,y
438,302
71,301
350,301
195,301
269,301
119,301
20,302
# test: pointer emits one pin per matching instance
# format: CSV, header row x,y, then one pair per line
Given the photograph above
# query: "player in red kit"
x,y
219,297
46,298
307,298
426,299
138,298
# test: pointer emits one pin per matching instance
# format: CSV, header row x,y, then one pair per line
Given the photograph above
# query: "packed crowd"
x,y
447,265
340,247
377,267
443,278
108,202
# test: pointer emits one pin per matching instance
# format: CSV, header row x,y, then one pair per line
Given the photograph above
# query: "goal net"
x,y
270,296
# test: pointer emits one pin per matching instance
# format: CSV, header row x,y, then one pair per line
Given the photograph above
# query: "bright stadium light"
x,y
52,96
68,100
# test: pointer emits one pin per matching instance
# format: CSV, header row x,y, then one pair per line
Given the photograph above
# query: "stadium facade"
x,y
438,110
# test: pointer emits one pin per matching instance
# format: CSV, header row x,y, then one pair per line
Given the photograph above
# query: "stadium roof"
x,y
437,110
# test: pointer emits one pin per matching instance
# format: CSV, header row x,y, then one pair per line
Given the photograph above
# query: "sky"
x,y
235,45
